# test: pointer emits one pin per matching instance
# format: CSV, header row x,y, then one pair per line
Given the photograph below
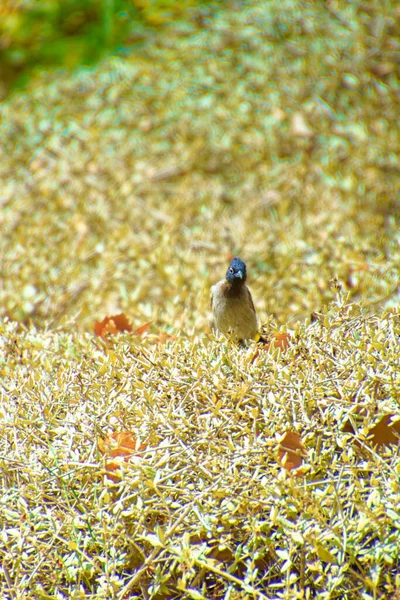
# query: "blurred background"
x,y
38,34
145,142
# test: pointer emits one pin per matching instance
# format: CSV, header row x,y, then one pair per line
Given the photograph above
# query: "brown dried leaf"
x,y
291,450
385,432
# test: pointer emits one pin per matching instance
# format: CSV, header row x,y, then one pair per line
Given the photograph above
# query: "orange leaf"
x,y
112,325
142,329
119,443
118,446
280,340
291,450
112,466
277,340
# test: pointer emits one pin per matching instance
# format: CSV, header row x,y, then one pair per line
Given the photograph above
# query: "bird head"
x,y
236,271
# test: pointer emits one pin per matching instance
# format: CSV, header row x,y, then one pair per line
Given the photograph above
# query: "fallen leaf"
x,y
112,325
385,432
291,450
118,323
277,340
142,329
119,443
117,447
280,340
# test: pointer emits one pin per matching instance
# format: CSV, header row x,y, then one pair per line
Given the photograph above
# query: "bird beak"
x,y
239,274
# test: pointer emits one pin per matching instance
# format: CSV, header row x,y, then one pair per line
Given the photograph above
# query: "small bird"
x,y
232,304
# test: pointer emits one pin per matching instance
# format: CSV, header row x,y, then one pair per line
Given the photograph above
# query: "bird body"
x,y
232,304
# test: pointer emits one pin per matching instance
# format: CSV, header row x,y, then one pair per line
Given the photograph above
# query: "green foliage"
x,y
36,34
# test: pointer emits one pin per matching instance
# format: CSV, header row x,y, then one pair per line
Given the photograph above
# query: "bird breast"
x,y
234,313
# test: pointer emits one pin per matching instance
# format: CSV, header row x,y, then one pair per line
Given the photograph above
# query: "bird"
x,y
232,304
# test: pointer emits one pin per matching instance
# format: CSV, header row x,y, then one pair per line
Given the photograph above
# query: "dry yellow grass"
x,y
264,131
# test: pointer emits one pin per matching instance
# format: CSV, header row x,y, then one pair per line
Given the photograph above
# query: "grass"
x,y
264,131
39,34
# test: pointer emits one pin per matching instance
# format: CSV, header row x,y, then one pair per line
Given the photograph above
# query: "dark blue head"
x,y
236,271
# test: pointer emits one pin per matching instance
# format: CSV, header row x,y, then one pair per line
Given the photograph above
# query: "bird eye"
x,y
230,269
